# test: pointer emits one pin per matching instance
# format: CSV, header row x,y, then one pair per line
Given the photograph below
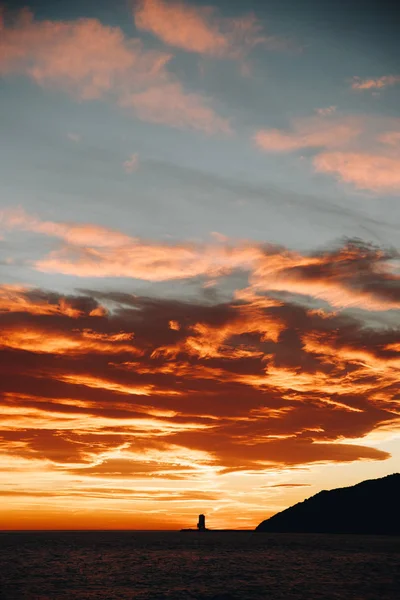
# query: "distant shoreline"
x,y
120,530
213,530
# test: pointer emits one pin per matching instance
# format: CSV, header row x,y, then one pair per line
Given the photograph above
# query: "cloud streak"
x,y
375,84
355,274
310,132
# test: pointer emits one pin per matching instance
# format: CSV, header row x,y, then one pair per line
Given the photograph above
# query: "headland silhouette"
x,y
370,507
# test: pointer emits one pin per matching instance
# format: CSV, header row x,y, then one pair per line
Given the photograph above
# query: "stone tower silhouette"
x,y
201,525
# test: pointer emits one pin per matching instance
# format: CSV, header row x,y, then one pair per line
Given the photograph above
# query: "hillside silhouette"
x,y
370,507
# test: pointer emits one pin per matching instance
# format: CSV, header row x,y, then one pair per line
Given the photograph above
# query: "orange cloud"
x,y
72,233
97,251
293,379
311,132
355,274
150,262
84,56
375,84
18,299
200,29
40,341
94,251
169,104
91,60
205,341
366,171
340,146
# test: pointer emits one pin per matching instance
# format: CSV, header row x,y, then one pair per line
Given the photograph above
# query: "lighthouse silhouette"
x,y
201,525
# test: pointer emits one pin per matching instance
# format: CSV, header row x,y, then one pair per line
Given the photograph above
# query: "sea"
x,y
242,565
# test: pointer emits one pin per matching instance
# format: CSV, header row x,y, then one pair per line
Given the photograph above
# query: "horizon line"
x,y
110,529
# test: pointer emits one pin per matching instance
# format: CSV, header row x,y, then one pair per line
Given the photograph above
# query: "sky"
x,y
199,258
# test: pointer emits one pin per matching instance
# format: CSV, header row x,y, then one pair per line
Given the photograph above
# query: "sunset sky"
x,y
200,258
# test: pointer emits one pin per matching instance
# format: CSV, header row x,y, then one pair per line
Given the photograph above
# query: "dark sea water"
x,y
181,566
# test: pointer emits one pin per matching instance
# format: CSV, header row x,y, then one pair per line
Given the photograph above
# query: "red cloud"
x,y
121,395
305,388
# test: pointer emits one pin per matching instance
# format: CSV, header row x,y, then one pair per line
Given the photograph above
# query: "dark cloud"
x,y
289,485
358,266
108,369
133,468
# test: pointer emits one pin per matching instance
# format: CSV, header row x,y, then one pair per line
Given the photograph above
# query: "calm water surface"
x,y
183,566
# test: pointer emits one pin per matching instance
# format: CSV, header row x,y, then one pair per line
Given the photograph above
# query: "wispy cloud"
x,y
90,60
309,132
72,233
366,171
132,164
326,112
201,29
361,150
391,138
83,57
74,137
375,84
171,105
